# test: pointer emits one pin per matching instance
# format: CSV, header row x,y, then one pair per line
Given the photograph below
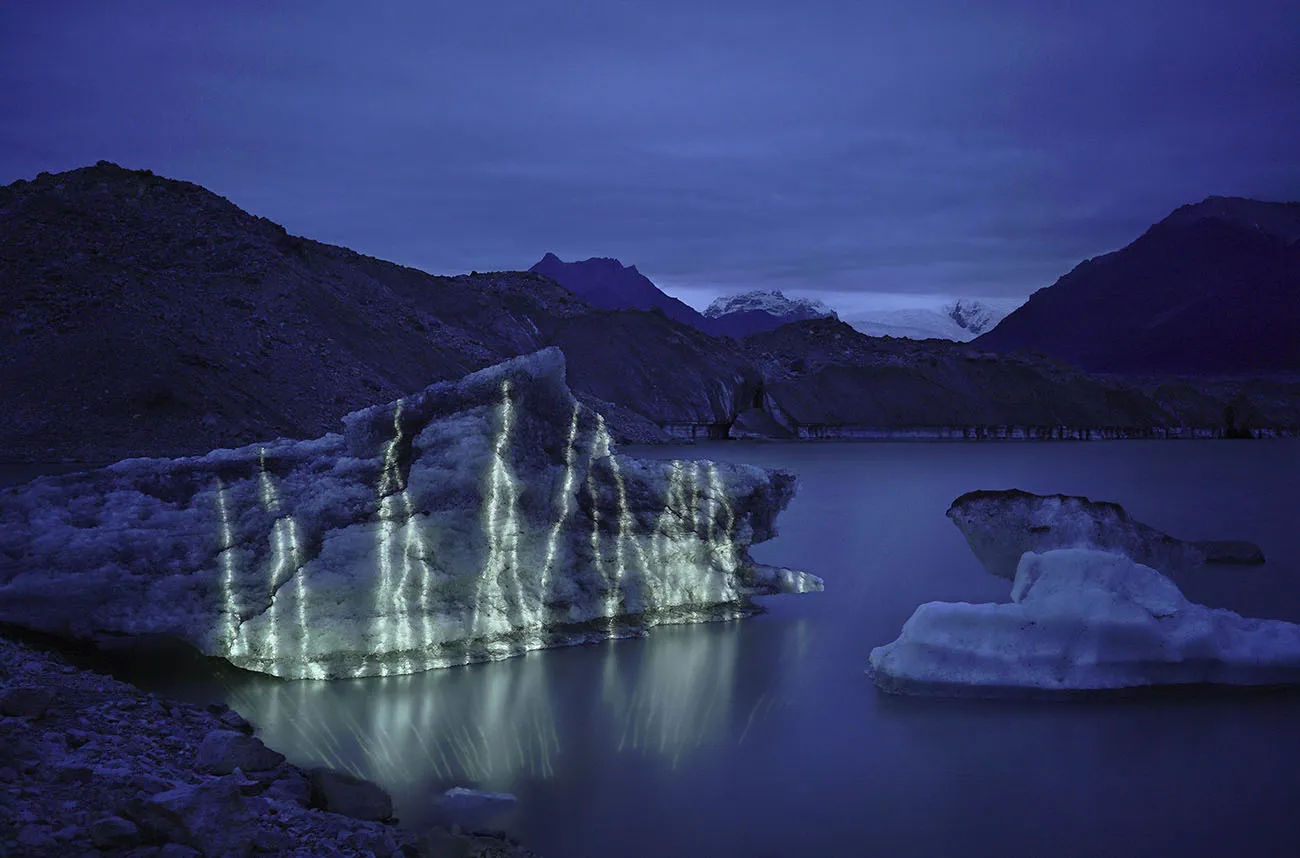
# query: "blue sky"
x,y
833,149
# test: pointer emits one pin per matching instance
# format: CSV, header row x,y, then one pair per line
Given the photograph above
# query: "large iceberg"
x,y
1083,620
473,521
1000,526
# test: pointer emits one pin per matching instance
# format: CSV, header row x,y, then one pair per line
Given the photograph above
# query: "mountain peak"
x,y
770,301
605,282
1201,292
1271,218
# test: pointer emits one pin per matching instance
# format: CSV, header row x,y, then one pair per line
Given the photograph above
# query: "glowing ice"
x,y
475,520
227,561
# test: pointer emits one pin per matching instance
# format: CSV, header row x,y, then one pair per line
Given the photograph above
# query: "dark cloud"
x,y
929,147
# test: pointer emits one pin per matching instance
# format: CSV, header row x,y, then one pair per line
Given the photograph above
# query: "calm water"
x,y
764,737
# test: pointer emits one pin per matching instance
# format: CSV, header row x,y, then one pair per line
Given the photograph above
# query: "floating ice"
x,y
472,521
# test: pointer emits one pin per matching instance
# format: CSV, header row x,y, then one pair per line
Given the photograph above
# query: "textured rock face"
x,y
1000,526
472,521
1083,620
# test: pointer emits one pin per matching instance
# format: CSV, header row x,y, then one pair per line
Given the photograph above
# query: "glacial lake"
x,y
763,737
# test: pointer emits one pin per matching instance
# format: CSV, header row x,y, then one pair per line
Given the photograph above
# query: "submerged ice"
x,y
475,520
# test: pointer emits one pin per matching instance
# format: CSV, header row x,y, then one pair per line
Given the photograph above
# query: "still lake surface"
x,y
763,737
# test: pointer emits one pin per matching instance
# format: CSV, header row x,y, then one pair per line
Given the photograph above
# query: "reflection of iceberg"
x,y
681,695
499,726
473,521
405,731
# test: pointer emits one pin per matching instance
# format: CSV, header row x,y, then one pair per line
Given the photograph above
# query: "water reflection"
x,y
682,693
505,725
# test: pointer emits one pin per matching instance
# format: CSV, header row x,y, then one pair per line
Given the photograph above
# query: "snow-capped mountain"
x,y
961,320
760,310
768,301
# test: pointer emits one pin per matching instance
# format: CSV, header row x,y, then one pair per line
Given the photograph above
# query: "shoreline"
x,y
91,765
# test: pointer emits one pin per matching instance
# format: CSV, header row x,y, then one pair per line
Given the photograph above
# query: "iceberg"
x,y
1083,620
1000,526
475,520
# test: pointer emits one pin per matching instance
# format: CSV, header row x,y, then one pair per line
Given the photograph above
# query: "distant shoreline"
x,y
37,467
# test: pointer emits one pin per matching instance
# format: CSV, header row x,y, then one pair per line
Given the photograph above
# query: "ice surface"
x,y
475,520
1083,620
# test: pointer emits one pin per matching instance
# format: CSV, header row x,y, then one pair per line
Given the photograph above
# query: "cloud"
x,y
828,147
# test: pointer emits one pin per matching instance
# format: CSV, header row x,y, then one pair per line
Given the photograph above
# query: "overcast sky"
x,y
831,149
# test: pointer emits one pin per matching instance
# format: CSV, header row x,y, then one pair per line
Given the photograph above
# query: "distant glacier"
x,y
961,320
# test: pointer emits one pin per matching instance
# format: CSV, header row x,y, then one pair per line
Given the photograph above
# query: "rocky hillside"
x,y
96,767
1212,289
149,316
825,374
145,316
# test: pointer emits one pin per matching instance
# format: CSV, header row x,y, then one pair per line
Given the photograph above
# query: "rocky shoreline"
x,y
93,766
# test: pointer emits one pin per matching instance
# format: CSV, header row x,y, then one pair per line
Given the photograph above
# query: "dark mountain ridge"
x,y
610,285
823,378
147,316
143,314
1213,289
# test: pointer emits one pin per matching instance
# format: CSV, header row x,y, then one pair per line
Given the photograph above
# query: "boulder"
x,y
25,701
224,751
348,795
114,832
213,817
475,520
1083,620
291,787
1000,526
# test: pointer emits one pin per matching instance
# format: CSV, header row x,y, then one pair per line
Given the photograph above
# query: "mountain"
x,y
960,321
1212,289
611,285
751,312
823,378
144,315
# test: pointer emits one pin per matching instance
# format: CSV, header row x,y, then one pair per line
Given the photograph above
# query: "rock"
x,y
291,788
1229,551
1083,620
272,840
73,772
178,850
25,701
1000,526
234,721
212,817
381,844
150,784
345,794
114,832
223,751
463,799
36,838
473,521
